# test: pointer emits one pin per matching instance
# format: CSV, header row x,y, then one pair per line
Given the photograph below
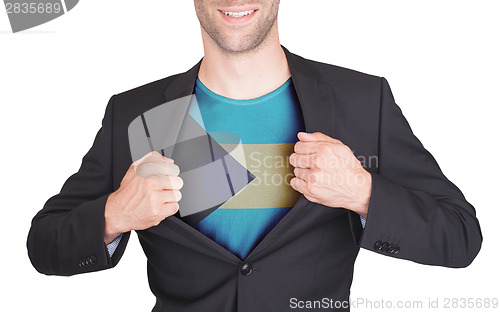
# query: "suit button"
x,y
82,263
378,245
93,260
246,269
396,249
390,249
384,246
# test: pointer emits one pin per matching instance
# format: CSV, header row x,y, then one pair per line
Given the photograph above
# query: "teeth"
x,y
239,14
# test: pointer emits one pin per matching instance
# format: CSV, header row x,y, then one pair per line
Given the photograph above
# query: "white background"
x,y
441,59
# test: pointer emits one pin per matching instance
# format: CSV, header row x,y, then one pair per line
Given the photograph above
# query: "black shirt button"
x,y
246,269
378,245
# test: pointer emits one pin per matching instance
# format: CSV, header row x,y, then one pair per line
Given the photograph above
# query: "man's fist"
x,y
327,172
148,193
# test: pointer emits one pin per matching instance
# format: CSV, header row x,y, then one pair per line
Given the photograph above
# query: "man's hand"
x,y
148,193
327,172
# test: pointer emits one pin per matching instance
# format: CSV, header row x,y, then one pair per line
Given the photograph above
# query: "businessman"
x,y
270,245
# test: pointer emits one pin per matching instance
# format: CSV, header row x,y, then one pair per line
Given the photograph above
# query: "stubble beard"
x,y
247,44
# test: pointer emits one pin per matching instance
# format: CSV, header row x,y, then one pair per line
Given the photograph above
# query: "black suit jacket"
x,y
415,212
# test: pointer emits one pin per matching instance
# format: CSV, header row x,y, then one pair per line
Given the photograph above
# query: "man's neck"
x,y
244,76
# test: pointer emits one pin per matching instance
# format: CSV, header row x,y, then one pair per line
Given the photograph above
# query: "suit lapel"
x,y
315,98
318,110
183,84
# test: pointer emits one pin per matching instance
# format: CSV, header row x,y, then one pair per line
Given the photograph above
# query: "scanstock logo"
x,y
27,14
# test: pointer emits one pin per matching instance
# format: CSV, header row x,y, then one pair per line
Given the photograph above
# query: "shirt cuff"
x,y
112,246
363,221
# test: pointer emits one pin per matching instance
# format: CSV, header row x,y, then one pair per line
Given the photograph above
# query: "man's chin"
x,y
239,46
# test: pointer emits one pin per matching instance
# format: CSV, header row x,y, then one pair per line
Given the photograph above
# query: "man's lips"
x,y
237,15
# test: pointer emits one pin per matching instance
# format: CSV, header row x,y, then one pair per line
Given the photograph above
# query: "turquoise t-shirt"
x,y
267,128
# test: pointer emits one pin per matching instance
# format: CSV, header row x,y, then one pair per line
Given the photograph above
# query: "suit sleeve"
x,y
415,212
67,236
